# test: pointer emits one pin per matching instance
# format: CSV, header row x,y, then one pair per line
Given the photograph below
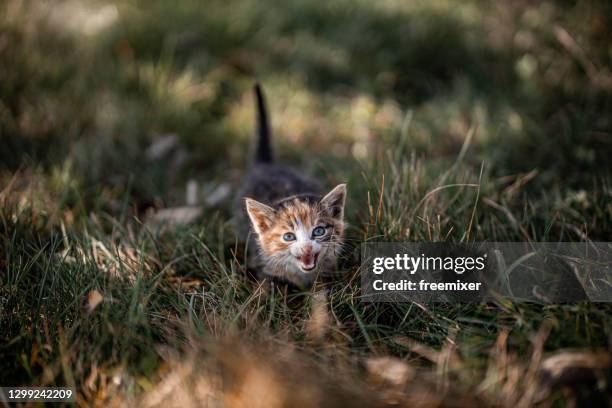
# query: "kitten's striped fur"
x,y
275,201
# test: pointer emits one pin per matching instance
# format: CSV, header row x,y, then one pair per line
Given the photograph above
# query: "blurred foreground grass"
x,y
450,121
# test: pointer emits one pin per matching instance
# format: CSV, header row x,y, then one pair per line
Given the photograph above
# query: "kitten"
x,y
296,232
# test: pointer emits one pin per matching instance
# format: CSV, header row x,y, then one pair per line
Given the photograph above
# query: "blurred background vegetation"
x,y
88,86
450,120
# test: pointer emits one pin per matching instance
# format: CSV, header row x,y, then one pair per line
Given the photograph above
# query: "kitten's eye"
x,y
289,236
317,232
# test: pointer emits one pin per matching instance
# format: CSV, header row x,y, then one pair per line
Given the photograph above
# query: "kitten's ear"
x,y
260,214
333,202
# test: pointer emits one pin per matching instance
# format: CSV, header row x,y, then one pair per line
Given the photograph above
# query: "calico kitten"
x,y
295,231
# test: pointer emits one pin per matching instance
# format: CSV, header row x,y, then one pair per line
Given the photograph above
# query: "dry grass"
x,y
450,122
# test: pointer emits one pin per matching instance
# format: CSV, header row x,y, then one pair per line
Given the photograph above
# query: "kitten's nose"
x,y
307,250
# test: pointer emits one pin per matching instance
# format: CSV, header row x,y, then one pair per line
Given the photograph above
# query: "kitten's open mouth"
x,y
308,262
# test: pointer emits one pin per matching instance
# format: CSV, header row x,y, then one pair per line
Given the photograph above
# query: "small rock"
x,y
218,195
191,195
162,146
175,217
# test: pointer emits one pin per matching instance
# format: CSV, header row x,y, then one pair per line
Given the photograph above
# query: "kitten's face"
x,y
302,234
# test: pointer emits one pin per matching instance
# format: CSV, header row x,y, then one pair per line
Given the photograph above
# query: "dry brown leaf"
x,y
390,369
94,298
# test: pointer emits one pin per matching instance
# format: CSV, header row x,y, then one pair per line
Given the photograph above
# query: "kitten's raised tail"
x,y
263,149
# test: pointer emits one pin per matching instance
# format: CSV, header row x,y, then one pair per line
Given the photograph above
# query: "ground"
x,y
462,122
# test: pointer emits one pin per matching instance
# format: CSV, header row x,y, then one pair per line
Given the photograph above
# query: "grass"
x,y
450,122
